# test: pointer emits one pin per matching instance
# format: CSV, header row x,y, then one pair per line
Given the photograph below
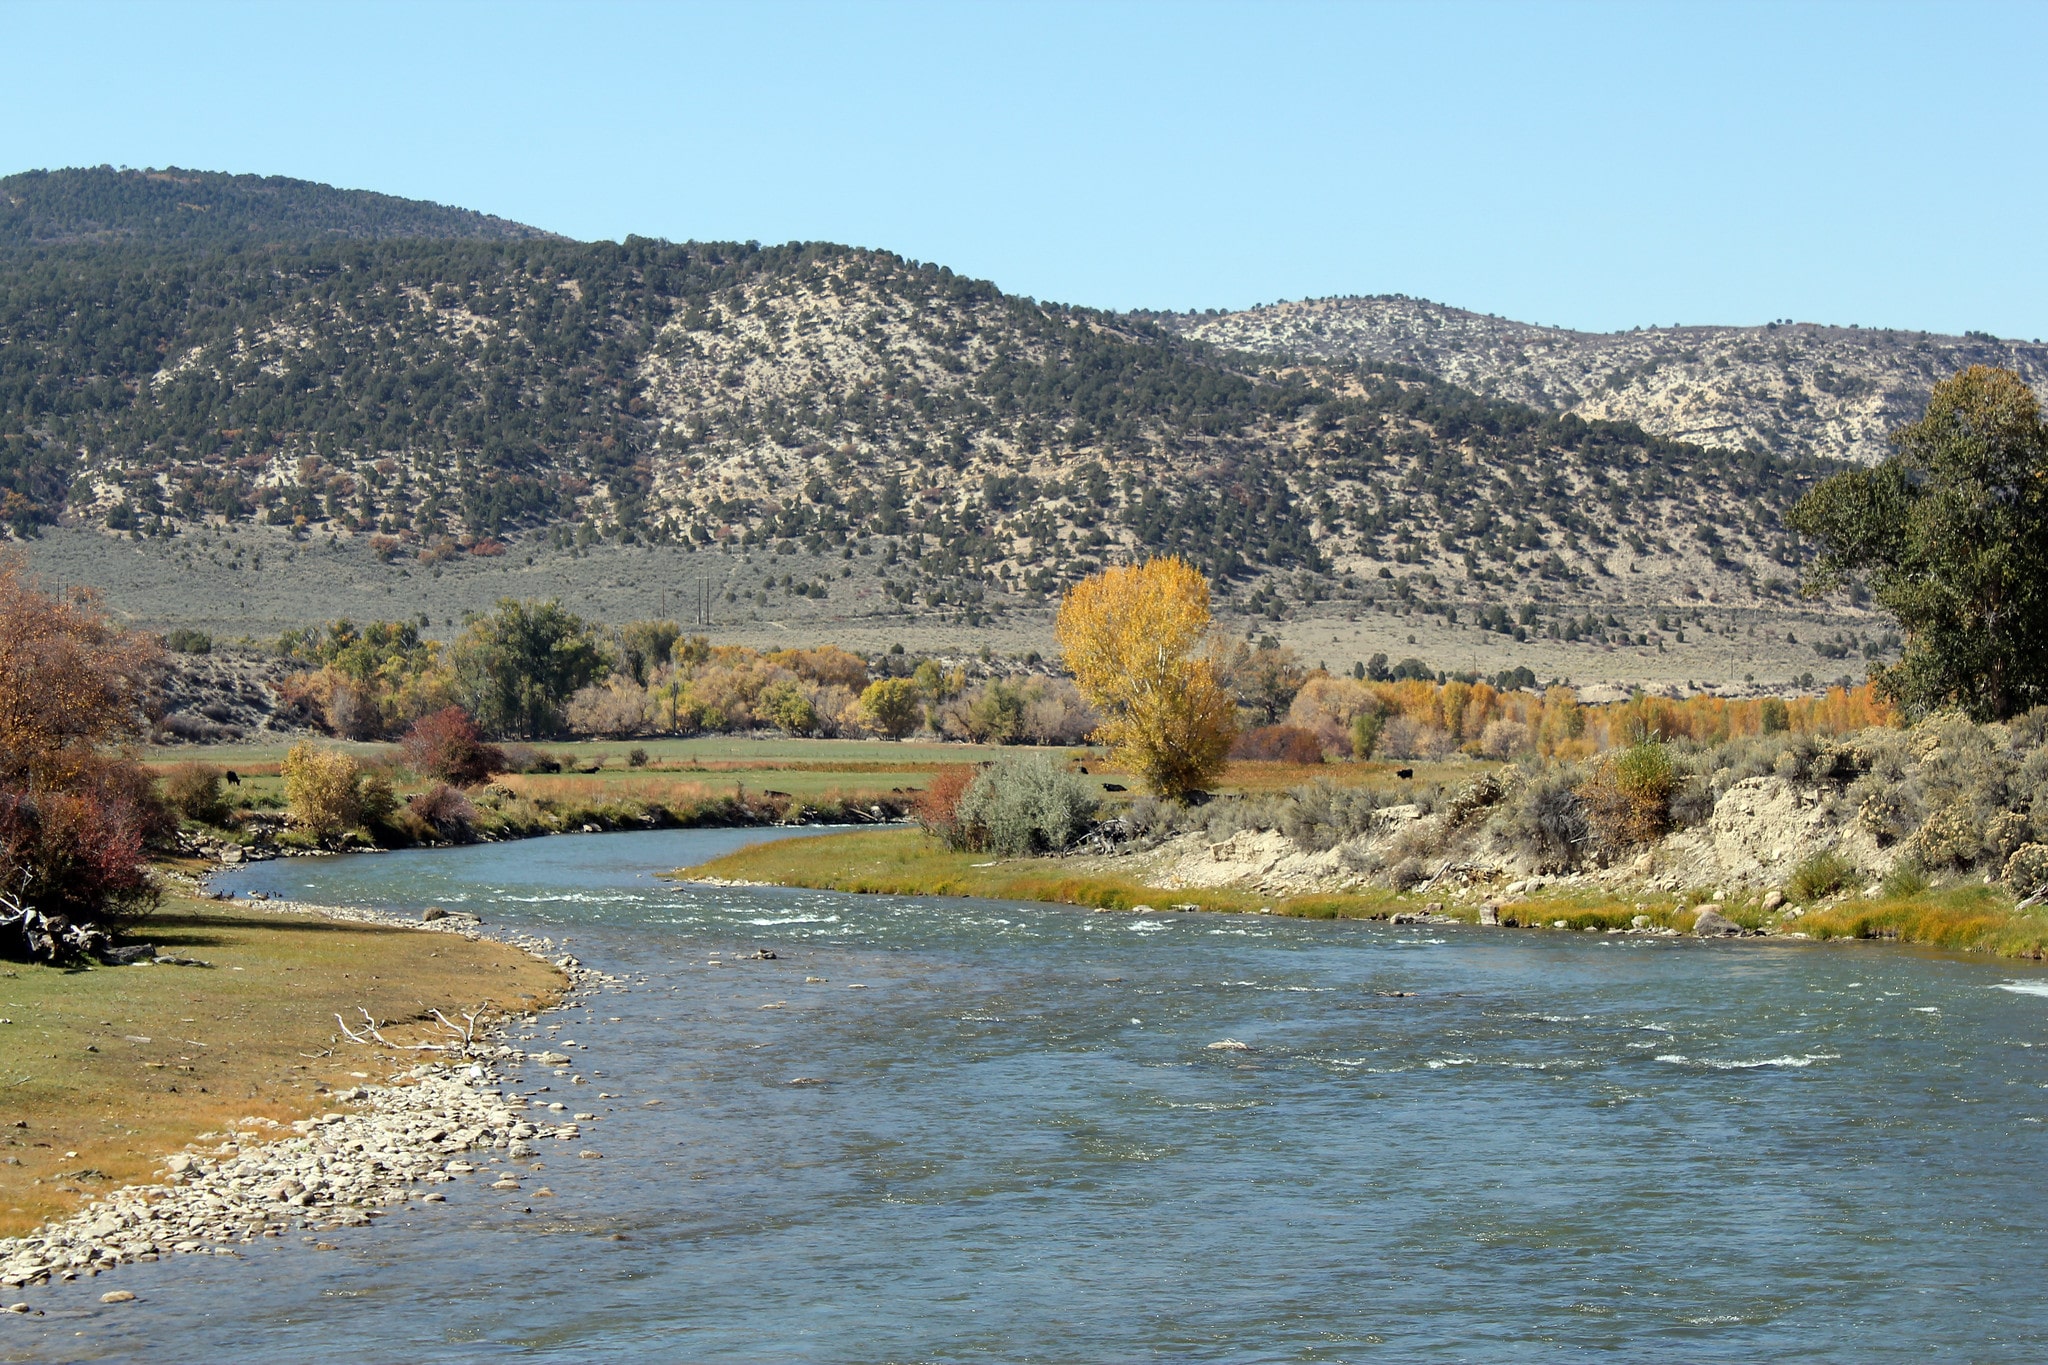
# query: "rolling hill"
x,y
429,383
207,208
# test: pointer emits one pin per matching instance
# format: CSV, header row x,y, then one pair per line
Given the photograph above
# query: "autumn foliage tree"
x,y
1131,637
890,705
74,819
328,793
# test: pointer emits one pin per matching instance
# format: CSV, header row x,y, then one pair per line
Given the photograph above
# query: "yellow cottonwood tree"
x,y
1129,636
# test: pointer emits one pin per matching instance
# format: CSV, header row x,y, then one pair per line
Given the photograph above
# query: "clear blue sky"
x,y
1597,166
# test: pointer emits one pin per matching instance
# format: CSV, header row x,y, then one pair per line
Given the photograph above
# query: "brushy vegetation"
x,y
198,792
1819,877
1896,814
1022,805
450,746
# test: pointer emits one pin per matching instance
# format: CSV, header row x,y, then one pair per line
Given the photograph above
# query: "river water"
x,y
1444,1144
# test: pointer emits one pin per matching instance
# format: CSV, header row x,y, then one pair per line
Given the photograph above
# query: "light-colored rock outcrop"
x,y
1761,829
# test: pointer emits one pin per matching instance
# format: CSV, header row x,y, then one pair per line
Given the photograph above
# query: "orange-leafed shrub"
x,y
937,807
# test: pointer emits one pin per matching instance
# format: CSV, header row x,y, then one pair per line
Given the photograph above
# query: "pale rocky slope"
x,y
437,400
1760,830
1788,388
1945,799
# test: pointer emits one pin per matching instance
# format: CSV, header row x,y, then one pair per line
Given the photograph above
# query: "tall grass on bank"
x,y
907,863
1975,919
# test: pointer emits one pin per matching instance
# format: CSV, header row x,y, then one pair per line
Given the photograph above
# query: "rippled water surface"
x,y
1442,1144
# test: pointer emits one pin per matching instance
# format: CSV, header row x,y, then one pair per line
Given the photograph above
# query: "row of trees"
x,y
1138,643
513,669
532,669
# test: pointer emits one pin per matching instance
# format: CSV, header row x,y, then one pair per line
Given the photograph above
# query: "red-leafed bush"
x,y
936,808
74,819
1279,743
447,744
80,852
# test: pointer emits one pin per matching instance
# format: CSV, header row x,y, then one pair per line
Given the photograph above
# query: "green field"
x,y
803,768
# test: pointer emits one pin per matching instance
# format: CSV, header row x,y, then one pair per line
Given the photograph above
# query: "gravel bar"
x,y
395,1144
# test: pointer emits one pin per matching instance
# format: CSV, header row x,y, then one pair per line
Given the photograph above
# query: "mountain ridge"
x,y
1835,392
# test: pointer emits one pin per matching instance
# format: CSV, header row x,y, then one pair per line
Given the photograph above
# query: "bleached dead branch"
x,y
457,1038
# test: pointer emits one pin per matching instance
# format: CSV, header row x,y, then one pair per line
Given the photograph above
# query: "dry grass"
x,y
582,788
906,862
1255,776
680,774
106,1071
736,765
682,794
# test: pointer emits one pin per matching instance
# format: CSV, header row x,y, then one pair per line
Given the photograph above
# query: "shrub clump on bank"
x,y
1015,807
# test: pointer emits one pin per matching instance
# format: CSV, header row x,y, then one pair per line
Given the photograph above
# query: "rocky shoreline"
x,y
392,1145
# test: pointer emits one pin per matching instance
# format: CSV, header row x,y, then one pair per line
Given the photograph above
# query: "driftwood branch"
x,y
457,1038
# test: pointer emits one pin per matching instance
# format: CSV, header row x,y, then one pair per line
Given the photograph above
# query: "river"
x,y
1013,1141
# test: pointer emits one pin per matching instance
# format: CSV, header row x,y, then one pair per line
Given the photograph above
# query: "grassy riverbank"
x,y
107,1070
1981,919
906,862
